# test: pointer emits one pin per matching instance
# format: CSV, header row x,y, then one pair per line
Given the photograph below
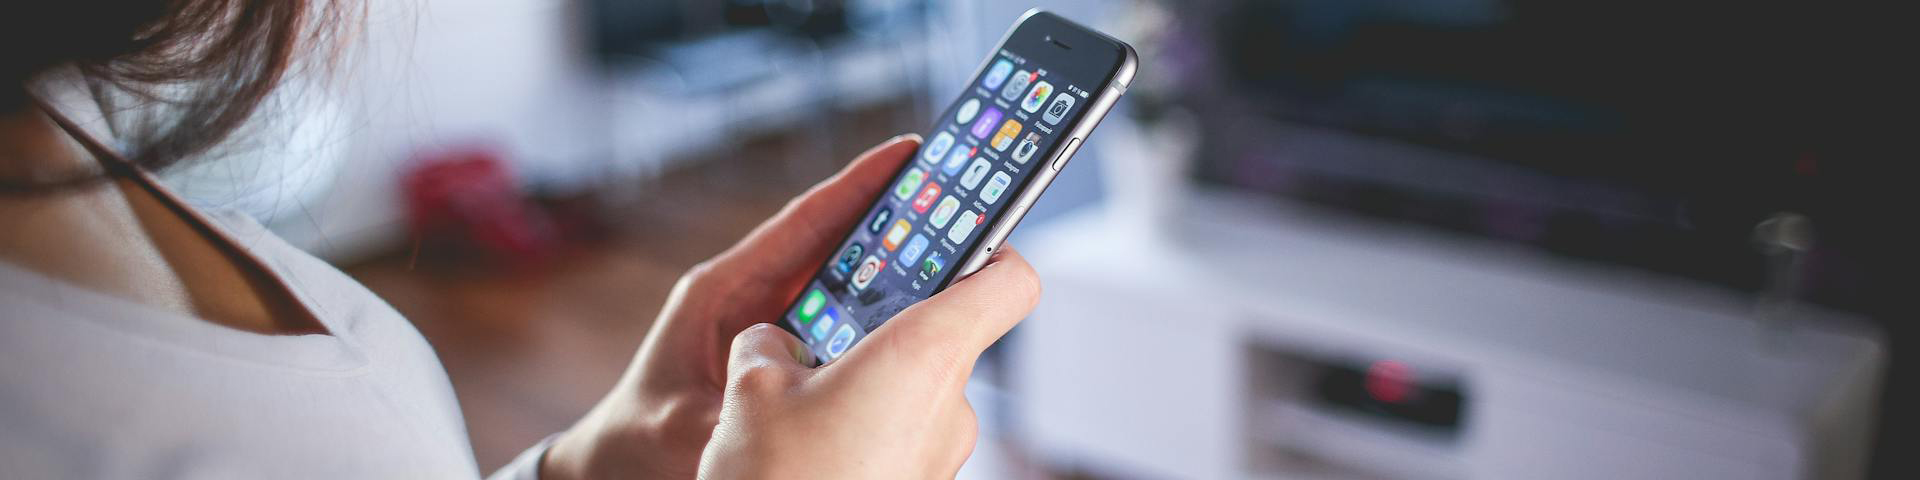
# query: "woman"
x,y
146,339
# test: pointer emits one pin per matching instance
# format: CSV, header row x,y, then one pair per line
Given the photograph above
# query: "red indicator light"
x,y
1389,381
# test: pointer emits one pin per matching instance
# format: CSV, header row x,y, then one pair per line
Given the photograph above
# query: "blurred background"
x,y
1355,238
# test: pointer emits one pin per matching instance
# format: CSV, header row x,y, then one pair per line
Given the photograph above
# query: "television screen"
x,y
1645,133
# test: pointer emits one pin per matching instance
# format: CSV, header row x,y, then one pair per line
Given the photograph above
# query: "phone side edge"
x,y
996,236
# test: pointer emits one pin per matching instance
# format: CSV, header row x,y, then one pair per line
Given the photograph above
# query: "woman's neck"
x,y
84,235
32,148
116,238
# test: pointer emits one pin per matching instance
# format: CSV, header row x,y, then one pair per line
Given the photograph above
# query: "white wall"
x,y
443,74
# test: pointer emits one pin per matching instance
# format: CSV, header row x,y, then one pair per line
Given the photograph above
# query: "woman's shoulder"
x,y
341,302
81,372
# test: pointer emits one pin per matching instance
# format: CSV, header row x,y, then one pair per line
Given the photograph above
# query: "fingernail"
x,y
803,357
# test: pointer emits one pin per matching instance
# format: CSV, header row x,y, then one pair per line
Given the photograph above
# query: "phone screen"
x,y
981,152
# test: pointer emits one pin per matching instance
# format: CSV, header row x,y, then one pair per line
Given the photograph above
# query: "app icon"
x,y
1004,138
869,268
995,187
1027,148
997,74
963,226
842,340
825,325
926,198
909,182
957,160
1018,85
944,212
879,220
896,235
976,173
914,248
849,258
1058,110
937,148
811,306
1037,97
932,266
967,111
985,124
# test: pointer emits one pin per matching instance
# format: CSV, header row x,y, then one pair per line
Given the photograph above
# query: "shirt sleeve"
x,y
527,465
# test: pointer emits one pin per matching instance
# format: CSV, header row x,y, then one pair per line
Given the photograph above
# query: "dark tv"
x,y
1651,134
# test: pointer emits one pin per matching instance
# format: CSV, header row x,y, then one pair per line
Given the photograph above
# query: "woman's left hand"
x,y
659,416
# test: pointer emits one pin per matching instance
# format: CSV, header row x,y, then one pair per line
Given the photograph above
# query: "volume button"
x,y
1073,144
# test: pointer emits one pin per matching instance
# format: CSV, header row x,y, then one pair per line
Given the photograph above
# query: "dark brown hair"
x,y
210,62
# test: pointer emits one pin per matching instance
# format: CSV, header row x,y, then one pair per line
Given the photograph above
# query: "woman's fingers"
x,y
946,333
788,246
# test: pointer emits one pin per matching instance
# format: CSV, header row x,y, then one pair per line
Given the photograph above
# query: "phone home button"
x,y
1066,153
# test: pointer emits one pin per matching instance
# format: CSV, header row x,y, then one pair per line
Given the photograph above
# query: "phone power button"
x,y
1073,144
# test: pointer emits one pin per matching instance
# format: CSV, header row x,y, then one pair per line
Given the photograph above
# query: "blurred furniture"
x,y
685,77
705,94
1258,340
533,80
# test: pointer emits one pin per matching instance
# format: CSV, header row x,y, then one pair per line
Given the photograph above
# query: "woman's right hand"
x,y
892,407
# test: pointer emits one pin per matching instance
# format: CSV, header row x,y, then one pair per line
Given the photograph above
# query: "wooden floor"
x,y
529,352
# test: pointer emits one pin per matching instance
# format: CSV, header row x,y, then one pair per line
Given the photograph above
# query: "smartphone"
x,y
985,161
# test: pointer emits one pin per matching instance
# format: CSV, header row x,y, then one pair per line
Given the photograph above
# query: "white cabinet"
x,y
1155,357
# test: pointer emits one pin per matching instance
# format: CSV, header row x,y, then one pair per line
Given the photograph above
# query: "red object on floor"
x,y
467,203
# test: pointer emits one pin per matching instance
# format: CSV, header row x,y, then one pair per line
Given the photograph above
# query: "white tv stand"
x,y
1154,355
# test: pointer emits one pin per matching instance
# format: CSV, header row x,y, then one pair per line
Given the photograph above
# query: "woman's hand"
x,y
892,407
658,418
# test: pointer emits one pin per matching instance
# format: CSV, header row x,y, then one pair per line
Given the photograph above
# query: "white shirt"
x,y
93,386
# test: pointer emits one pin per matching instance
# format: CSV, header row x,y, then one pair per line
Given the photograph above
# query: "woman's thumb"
x,y
765,348
950,329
